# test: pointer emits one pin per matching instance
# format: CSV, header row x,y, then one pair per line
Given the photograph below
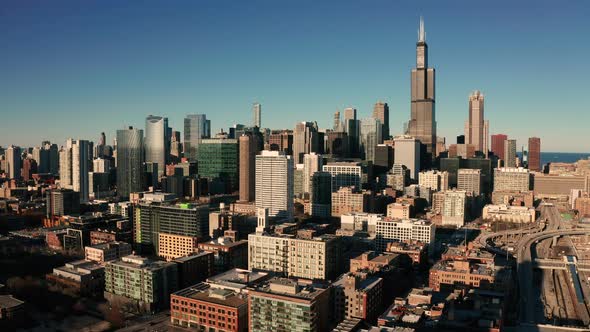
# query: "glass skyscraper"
x,y
157,141
129,161
218,159
196,127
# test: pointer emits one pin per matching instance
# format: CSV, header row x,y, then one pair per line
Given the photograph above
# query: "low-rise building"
x,y
194,268
11,309
398,211
347,200
370,261
505,213
360,221
358,296
228,253
105,252
83,277
416,250
389,230
171,246
469,272
513,198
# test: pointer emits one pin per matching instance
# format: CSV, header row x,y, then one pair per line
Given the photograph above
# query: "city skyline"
x,y
117,81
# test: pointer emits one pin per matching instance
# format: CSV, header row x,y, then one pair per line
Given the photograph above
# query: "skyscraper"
x,y
305,140
352,129
337,126
381,113
274,183
248,146
312,163
81,153
257,109
196,127
407,153
422,124
498,145
510,153
14,162
129,161
371,135
476,128
535,154
157,141
217,160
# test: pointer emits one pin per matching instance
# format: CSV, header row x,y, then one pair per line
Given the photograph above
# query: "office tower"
x,y
100,150
345,174
337,126
302,307
454,207
281,141
175,146
534,154
312,162
321,194
399,177
383,157
510,153
129,161
257,110
100,165
150,174
29,168
305,140
381,113
157,142
65,166
81,157
349,113
274,183
435,180
196,127
218,160
469,180
337,144
476,128
98,185
407,153
144,283
370,136
347,200
298,175
41,156
422,124
498,145
248,149
391,230
352,129
13,162
461,139
512,179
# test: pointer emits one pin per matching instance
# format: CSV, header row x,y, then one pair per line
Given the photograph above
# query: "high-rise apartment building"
x,y
312,162
512,179
257,113
390,230
476,128
469,180
535,154
306,139
422,124
337,126
274,183
510,153
371,136
81,159
498,145
14,162
454,207
281,141
344,174
407,153
157,141
129,161
248,147
196,127
347,200
381,113
61,202
435,180
145,283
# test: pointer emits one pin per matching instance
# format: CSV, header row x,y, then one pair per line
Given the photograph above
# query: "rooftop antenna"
x,y
421,32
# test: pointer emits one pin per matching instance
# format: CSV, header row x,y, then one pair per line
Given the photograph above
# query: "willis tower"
x,y
422,124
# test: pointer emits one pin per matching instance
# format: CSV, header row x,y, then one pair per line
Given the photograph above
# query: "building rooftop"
x,y
238,278
139,262
203,292
291,288
108,245
8,301
191,256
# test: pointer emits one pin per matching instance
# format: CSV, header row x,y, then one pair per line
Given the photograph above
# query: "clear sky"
x,y
77,68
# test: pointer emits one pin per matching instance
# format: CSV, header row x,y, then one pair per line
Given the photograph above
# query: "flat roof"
x,y
8,301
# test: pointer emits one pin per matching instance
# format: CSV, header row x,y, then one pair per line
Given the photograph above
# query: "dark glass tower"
x,y
422,124
129,161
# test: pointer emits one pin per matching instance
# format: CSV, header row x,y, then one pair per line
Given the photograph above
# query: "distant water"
x,y
560,157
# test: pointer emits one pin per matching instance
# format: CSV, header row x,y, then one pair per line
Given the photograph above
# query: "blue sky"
x,y
77,68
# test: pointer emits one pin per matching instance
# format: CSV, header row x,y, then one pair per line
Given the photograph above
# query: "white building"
x,y
407,153
435,180
389,230
312,162
506,213
469,180
344,174
511,179
360,221
453,209
274,183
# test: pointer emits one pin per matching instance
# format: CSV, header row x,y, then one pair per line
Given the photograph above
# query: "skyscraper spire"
x,y
421,32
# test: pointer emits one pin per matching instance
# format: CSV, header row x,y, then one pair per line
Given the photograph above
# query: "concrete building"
x,y
13,159
476,128
389,230
157,141
534,154
512,179
227,253
316,258
505,213
140,282
498,145
194,268
12,310
510,153
106,252
472,273
454,208
344,174
346,200
513,198
281,141
209,309
312,162
306,139
370,137
358,296
361,222
61,202
171,246
552,186
399,211
422,124
416,250
196,127
274,183
435,180
83,277
248,145
399,177
407,153
381,113
469,180
280,304
257,114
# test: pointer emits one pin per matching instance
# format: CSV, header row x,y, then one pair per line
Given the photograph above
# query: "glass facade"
x,y
157,141
129,161
196,127
218,159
